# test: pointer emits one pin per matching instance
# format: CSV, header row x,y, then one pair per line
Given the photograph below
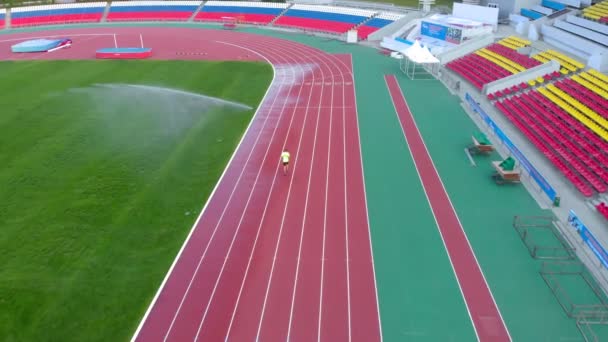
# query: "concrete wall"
x,y
583,32
587,23
394,27
524,76
572,43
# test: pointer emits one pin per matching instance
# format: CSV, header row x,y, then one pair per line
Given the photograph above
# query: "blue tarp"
x,y
531,14
377,22
553,5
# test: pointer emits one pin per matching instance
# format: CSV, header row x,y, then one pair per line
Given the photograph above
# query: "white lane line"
x,y
245,277
371,250
293,296
221,217
179,253
325,219
276,250
243,214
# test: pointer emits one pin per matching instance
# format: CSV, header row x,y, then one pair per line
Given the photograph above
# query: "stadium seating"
x,y
603,209
494,62
243,11
376,23
597,12
566,62
513,55
329,19
477,70
564,141
514,42
2,18
57,14
152,10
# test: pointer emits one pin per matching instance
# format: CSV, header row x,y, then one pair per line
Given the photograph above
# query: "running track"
x,y
275,257
484,313
271,257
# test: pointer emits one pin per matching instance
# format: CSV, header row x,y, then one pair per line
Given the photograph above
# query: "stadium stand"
x,y
245,12
2,18
603,209
57,14
329,19
379,21
568,122
152,10
493,62
597,12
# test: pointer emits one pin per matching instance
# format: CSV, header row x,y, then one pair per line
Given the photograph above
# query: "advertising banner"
x,y
588,238
523,161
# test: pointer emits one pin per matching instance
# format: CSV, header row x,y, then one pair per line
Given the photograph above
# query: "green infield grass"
x,y
101,181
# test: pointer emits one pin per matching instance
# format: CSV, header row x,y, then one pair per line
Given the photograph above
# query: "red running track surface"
x,y
270,255
484,313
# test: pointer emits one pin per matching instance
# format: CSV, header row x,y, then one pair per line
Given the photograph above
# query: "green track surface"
x,y
418,293
419,297
98,194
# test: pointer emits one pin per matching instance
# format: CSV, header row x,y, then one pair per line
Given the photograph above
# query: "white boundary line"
x,y
143,320
252,251
141,40
466,304
457,217
276,250
217,225
291,86
115,43
295,283
346,237
365,197
331,115
435,218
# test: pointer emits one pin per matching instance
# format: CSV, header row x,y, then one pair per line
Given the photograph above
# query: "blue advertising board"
x,y
588,238
523,161
433,30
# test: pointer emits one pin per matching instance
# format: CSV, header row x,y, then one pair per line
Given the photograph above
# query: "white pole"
x,y
141,40
115,44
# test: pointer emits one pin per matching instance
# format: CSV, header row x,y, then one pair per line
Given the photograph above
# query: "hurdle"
x,y
229,23
591,306
588,321
542,239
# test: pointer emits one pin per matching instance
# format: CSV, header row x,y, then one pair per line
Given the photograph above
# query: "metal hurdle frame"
x,y
525,225
552,270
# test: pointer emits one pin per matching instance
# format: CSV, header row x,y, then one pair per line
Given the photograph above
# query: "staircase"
x,y
271,23
366,20
200,7
106,11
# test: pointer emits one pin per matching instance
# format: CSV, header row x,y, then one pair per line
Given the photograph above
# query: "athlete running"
x,y
285,160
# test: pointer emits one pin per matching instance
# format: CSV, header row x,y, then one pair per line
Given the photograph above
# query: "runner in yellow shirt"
x,y
285,160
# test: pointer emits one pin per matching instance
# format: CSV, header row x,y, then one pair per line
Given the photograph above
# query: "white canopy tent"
x,y
418,62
